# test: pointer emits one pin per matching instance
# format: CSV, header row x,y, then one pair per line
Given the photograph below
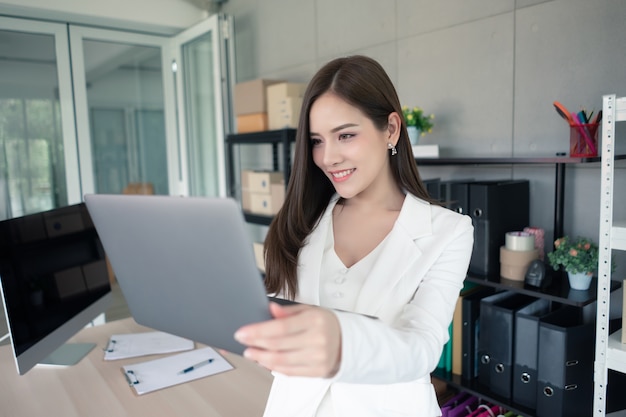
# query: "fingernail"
x,y
240,335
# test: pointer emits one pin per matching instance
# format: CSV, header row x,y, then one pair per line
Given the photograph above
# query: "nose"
x,y
332,154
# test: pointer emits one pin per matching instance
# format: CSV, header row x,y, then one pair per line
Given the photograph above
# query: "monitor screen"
x,y
54,281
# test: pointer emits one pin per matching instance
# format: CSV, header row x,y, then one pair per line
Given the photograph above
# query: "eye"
x,y
346,136
315,141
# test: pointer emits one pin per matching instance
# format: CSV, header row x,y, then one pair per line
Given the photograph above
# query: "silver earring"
x,y
393,149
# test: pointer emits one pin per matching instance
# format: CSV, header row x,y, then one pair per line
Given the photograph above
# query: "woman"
x,y
357,234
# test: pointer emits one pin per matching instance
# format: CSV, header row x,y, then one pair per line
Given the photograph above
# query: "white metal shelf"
x,y
616,353
610,352
618,235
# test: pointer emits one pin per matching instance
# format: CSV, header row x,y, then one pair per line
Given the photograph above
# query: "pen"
x,y
196,366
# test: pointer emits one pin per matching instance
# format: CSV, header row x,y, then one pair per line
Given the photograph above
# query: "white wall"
x,y
489,70
157,16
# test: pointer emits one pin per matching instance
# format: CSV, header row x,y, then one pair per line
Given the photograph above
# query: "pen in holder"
x,y
583,140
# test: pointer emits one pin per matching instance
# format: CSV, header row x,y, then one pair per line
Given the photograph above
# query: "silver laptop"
x,y
184,264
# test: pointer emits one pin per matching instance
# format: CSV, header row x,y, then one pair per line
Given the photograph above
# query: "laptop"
x,y
184,264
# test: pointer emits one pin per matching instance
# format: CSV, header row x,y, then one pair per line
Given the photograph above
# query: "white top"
x,y
411,290
340,287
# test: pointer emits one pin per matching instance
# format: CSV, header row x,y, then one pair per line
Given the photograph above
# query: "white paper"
x,y
165,372
122,346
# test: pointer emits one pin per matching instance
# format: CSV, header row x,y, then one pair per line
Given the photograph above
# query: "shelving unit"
x,y
610,352
280,141
558,291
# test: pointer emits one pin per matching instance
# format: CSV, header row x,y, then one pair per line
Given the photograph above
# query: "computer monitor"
x,y
54,281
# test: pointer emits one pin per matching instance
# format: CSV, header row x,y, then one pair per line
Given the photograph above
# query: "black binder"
x,y
455,194
433,187
565,364
470,307
500,317
487,332
496,207
526,349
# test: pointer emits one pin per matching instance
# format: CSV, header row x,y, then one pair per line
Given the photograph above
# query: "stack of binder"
x,y
565,364
526,350
496,341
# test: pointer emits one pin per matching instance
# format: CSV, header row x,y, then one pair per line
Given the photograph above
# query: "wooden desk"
x,y
95,387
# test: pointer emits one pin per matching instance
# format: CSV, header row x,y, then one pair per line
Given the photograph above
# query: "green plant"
x,y
415,117
578,255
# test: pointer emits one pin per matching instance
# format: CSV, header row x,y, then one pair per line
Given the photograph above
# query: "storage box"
x,y
284,101
258,255
264,203
253,122
284,114
279,91
565,364
260,181
250,96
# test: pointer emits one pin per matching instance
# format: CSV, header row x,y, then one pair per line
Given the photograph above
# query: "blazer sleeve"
x,y
409,346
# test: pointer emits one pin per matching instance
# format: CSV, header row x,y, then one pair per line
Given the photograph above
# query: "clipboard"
x,y
176,369
123,346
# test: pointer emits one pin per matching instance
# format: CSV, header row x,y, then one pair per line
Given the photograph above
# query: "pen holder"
x,y
583,140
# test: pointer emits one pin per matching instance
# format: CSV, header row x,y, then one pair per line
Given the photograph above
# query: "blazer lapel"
x,y
310,259
399,254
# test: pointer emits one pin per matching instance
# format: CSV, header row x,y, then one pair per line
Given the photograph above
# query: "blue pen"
x,y
196,366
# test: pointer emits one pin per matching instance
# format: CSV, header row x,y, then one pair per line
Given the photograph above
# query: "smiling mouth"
x,y
342,174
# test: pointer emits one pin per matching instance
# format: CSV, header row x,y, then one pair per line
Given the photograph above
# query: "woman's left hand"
x,y
301,340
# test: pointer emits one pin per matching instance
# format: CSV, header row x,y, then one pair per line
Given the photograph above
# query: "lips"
x,y
342,175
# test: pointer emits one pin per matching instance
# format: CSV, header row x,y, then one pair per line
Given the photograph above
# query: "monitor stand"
x,y
68,354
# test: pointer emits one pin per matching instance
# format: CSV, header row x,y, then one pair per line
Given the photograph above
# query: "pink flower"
x,y
573,252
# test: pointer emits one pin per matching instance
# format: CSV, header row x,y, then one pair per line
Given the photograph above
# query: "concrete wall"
x,y
489,70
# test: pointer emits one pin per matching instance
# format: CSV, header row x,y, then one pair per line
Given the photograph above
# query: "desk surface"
x,y
95,387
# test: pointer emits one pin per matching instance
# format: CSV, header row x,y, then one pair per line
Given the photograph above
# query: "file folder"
x,y
455,194
486,334
496,207
565,364
500,317
526,349
470,305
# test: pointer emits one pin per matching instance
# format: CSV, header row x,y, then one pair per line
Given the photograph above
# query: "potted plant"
x,y
579,257
417,122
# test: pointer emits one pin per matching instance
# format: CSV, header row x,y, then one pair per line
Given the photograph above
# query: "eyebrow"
x,y
338,128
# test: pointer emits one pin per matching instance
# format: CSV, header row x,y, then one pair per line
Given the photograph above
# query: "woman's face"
x,y
348,148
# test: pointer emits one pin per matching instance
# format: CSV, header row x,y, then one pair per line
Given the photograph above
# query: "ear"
x,y
394,125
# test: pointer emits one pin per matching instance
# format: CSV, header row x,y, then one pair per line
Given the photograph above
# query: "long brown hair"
x,y
362,82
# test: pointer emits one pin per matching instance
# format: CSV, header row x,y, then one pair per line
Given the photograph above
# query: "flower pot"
x,y
414,134
579,280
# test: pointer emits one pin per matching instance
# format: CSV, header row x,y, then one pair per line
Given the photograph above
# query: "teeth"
x,y
342,173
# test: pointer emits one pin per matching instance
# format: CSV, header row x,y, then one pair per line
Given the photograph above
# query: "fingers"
x,y
302,340
289,321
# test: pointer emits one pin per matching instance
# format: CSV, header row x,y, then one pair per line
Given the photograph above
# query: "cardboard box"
x,y
260,181
250,96
280,91
284,101
253,122
264,203
258,255
285,114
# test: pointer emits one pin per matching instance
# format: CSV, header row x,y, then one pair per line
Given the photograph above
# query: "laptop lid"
x,y
184,264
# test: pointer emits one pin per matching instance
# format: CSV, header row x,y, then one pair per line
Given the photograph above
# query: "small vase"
x,y
414,134
579,280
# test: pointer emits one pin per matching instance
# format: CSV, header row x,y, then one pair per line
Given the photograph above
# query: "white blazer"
x,y
412,290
